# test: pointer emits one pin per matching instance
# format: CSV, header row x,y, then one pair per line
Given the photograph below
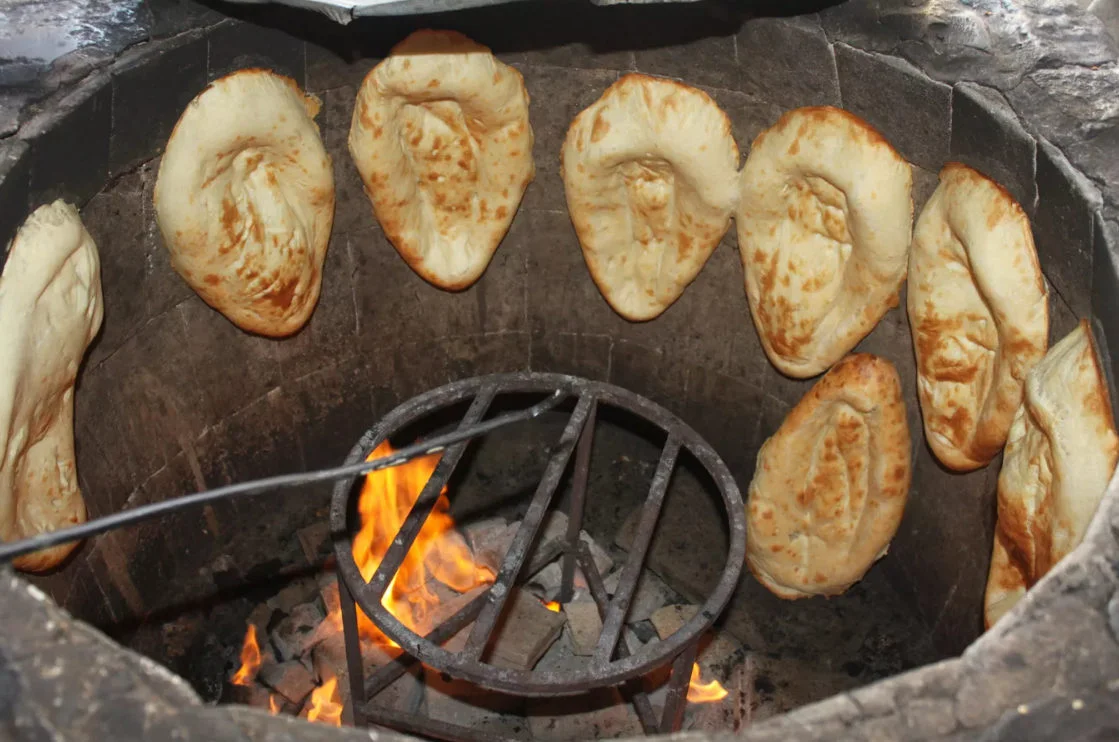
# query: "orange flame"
x,y
704,692
324,708
439,551
273,705
552,606
250,659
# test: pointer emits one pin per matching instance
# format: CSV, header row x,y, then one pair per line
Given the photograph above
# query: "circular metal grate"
x,y
612,662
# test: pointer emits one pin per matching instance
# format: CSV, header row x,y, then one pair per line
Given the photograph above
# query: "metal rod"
x,y
428,727
424,504
387,675
678,689
640,700
14,549
355,668
578,501
514,558
627,584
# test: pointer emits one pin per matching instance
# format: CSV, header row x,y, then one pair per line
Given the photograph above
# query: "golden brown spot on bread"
x,y
815,283
283,295
433,83
684,246
600,128
212,279
229,216
794,148
500,213
960,424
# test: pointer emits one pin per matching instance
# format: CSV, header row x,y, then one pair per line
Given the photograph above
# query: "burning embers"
x,y
295,663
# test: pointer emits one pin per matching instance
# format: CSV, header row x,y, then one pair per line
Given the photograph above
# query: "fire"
x,y
439,551
704,692
250,659
273,705
552,606
324,708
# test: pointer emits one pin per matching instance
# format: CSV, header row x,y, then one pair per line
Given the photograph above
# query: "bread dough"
x,y
245,200
824,223
1060,455
50,311
649,172
441,137
831,484
978,312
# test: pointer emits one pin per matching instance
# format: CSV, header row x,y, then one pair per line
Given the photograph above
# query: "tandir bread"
x,y
649,173
50,311
978,313
831,484
1060,455
245,200
441,137
824,223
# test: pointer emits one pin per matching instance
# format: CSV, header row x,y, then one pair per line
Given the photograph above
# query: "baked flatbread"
x,y
649,172
831,484
1060,455
441,137
245,200
50,311
979,315
824,222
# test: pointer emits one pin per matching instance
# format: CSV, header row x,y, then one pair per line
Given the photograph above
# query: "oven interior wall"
x,y
174,399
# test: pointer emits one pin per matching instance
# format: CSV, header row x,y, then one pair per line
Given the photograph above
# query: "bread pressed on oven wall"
x,y
245,200
824,222
1061,452
831,484
441,137
649,173
979,315
50,310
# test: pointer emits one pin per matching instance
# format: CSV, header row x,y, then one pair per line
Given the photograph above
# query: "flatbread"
x,y
824,223
831,484
1060,455
50,311
441,137
245,200
649,172
979,315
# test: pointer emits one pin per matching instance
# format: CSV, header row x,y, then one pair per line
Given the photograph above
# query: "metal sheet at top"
x,y
344,11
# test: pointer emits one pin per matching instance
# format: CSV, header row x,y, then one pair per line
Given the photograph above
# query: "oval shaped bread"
x,y
441,137
245,200
1060,455
824,221
50,311
831,484
978,312
649,173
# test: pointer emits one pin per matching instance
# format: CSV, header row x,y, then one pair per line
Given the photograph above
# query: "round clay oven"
x,y
173,398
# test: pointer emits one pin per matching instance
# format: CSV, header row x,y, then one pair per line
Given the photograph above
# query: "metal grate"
x,y
613,661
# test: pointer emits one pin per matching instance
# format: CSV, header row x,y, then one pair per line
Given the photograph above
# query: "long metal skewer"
x,y
13,549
